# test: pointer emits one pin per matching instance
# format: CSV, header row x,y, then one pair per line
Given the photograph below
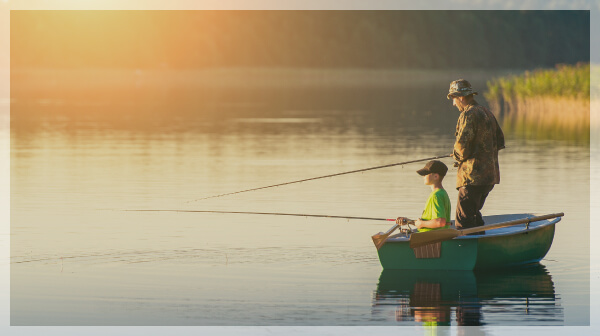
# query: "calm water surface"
x,y
79,156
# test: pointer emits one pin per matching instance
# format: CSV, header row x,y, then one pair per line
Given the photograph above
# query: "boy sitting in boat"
x,y
436,214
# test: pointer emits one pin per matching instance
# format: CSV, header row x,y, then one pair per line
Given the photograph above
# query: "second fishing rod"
x,y
324,176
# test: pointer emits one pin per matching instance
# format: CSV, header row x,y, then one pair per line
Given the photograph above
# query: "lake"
x,y
87,145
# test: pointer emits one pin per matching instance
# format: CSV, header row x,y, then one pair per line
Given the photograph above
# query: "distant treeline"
x,y
338,39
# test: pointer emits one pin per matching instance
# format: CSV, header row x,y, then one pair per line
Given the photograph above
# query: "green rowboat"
x,y
495,248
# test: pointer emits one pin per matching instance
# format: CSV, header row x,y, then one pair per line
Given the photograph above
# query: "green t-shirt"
x,y
437,206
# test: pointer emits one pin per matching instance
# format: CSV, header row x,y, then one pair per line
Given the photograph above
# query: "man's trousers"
x,y
470,201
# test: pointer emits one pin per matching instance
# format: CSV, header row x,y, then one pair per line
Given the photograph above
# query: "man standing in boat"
x,y
478,140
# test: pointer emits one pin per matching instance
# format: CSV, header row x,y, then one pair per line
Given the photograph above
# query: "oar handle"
x,y
510,223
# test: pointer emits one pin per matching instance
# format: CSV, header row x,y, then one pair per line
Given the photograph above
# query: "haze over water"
x,y
160,140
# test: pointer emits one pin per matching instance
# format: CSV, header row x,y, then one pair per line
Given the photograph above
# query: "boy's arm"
x,y
438,214
431,224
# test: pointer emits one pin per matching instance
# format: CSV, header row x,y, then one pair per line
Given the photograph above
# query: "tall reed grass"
x,y
545,103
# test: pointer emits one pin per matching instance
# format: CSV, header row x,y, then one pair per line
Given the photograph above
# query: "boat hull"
x,y
506,247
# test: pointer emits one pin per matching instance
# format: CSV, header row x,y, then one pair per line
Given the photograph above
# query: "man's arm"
x,y
499,136
465,134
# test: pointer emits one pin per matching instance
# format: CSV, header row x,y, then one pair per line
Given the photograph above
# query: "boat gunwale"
x,y
512,230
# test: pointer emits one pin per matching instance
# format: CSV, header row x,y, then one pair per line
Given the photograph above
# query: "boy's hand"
x,y
419,223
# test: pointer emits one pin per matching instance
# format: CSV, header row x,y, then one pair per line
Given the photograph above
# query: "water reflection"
x,y
174,102
77,150
522,296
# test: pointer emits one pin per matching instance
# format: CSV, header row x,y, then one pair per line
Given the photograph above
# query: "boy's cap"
x,y
433,166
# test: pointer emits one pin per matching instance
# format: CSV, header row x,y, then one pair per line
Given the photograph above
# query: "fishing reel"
x,y
406,231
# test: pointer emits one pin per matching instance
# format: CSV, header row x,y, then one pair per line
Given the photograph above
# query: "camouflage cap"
x,y
460,88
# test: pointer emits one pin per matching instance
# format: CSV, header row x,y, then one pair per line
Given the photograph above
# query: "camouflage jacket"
x,y
478,140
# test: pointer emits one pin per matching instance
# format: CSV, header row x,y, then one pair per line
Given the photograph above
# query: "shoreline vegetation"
x,y
544,103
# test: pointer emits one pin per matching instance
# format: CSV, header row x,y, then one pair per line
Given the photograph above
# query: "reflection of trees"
x,y
212,110
512,296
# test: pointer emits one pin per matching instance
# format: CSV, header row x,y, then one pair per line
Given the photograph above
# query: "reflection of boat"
x,y
523,295
509,246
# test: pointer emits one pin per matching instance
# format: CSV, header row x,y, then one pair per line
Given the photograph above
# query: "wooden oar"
x,y
380,238
320,177
418,239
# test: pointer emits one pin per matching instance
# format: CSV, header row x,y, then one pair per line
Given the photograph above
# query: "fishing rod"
x,y
320,177
261,213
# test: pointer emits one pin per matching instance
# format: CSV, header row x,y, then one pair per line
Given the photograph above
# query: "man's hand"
x,y
455,156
